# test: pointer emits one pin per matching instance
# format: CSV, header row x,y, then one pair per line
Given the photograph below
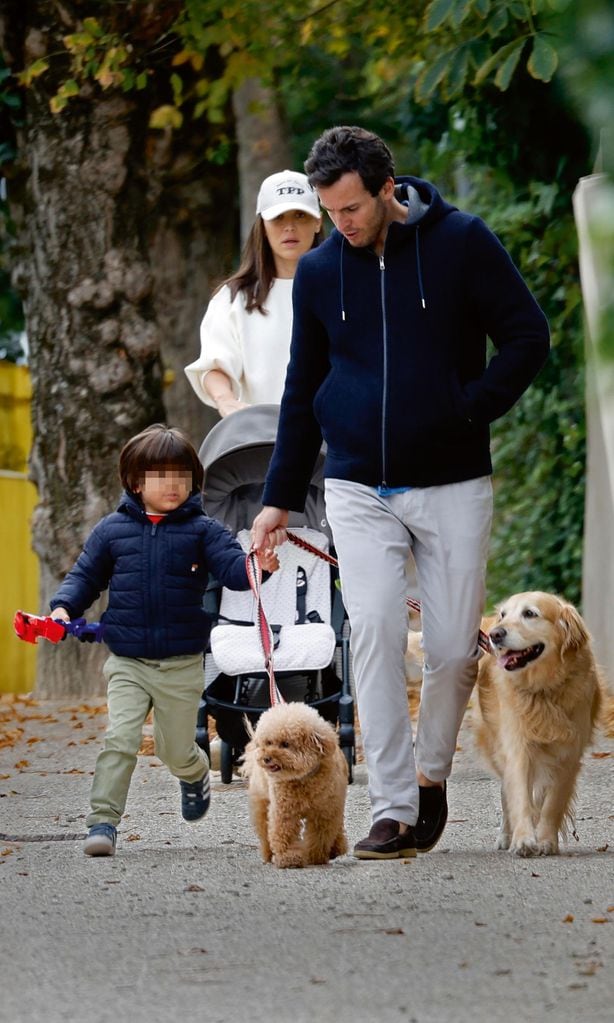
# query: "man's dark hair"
x,y
158,447
344,149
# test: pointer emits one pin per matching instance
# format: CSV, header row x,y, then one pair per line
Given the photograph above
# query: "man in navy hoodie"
x,y
388,365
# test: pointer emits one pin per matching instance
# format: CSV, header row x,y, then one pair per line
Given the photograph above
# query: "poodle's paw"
x,y
289,858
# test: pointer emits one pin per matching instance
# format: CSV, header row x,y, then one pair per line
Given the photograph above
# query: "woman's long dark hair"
x,y
256,271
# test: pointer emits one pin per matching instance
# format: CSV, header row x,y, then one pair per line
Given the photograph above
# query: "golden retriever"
x,y
539,696
298,779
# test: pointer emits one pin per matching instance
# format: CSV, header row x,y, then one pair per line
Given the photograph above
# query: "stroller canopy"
x,y
235,455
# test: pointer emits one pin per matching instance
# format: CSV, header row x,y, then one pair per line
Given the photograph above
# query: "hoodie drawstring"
x,y
341,276
419,267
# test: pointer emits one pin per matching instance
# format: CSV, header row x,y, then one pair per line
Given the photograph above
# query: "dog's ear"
x,y
323,741
317,741
575,633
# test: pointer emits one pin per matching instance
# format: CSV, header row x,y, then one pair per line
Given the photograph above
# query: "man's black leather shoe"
x,y
386,842
432,816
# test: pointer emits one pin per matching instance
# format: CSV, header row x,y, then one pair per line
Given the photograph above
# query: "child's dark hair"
x,y
155,447
345,149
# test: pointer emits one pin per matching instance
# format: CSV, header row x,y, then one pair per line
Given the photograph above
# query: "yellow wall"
x,y
19,571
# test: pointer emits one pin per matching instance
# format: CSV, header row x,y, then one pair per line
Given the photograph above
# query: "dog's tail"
x,y
246,760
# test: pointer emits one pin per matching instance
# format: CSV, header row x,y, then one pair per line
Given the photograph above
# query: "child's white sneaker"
x,y
101,840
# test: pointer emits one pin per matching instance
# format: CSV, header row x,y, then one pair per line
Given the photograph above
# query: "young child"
x,y
154,554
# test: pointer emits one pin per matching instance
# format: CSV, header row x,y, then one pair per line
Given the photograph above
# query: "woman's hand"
x,y
218,386
226,406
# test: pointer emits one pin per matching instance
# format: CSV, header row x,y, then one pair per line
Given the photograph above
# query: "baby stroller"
x,y
302,601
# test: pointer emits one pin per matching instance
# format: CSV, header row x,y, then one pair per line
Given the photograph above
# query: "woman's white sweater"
x,y
251,349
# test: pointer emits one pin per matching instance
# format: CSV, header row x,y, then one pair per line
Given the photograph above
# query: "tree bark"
x,y
263,144
121,234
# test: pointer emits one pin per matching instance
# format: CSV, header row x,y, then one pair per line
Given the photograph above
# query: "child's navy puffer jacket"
x,y
156,575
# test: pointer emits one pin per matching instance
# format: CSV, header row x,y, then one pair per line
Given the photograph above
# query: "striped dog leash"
x,y
254,575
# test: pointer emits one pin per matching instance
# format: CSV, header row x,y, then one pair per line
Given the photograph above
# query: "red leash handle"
x,y
254,575
415,605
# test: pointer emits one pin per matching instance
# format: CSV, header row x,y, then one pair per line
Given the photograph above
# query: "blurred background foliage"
x,y
11,312
501,105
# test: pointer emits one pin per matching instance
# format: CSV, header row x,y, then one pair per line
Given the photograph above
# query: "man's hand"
x,y
269,529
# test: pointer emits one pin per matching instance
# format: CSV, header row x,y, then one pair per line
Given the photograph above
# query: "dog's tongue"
x,y
514,659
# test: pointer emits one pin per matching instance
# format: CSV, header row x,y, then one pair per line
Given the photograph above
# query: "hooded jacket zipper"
x,y
382,267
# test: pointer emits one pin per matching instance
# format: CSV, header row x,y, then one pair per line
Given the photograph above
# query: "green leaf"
x,y
432,76
78,41
69,88
10,99
166,116
457,74
506,70
438,11
497,23
482,8
92,25
459,12
496,59
38,67
57,103
177,86
543,60
128,79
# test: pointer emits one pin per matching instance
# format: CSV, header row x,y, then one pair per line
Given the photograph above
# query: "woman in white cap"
x,y
246,330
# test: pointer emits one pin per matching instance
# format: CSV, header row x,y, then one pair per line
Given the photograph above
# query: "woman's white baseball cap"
x,y
287,190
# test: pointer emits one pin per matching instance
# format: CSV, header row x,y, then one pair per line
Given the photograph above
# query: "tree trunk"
x,y
121,233
262,140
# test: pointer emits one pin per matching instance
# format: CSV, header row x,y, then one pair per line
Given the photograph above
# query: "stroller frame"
x,y
235,455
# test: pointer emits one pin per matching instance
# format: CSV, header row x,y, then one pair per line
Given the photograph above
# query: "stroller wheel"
x,y
226,758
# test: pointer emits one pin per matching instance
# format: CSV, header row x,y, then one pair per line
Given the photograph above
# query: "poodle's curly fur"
x,y
298,779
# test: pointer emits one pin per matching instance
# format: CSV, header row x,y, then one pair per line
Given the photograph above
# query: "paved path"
x,y
186,923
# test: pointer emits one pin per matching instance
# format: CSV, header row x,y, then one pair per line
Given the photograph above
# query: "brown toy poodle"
x,y
298,780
